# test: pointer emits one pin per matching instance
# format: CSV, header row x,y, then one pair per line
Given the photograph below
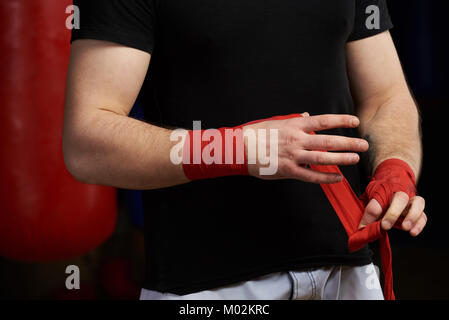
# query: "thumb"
x,y
372,213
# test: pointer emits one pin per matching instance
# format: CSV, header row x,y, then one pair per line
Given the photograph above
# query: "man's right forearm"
x,y
112,149
108,148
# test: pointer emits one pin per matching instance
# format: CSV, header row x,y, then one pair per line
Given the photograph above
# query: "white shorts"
x,y
329,283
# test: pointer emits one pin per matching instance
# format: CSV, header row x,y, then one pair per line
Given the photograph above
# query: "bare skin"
x,y
298,147
389,121
102,145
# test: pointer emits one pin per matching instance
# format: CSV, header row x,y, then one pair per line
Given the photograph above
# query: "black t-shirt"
x,y
227,63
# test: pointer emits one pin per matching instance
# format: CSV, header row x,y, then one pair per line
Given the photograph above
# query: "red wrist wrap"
x,y
232,160
390,177
350,212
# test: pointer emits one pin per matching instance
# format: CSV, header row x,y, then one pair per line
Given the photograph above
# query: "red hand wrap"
x,y
233,159
350,212
391,176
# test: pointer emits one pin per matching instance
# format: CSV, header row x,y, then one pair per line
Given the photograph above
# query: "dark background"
x,y
421,33
420,264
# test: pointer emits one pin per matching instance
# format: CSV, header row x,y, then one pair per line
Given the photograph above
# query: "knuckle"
x,y
413,219
317,180
301,122
401,195
327,143
420,228
354,158
290,138
373,214
295,122
300,137
286,169
320,158
294,135
324,178
323,121
422,200
396,214
348,158
349,121
331,178
393,215
404,195
310,177
300,157
353,144
289,154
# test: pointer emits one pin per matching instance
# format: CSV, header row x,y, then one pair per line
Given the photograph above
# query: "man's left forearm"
x,y
393,129
389,120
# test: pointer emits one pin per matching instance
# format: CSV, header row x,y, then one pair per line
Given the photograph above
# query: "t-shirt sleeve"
x,y
127,22
371,18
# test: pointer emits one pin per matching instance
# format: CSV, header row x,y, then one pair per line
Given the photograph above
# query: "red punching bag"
x,y
45,215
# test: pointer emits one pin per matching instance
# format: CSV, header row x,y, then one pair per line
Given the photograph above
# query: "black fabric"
x,y
127,22
360,29
226,63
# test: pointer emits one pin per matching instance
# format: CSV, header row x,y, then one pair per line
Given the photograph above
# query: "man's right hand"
x,y
298,147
